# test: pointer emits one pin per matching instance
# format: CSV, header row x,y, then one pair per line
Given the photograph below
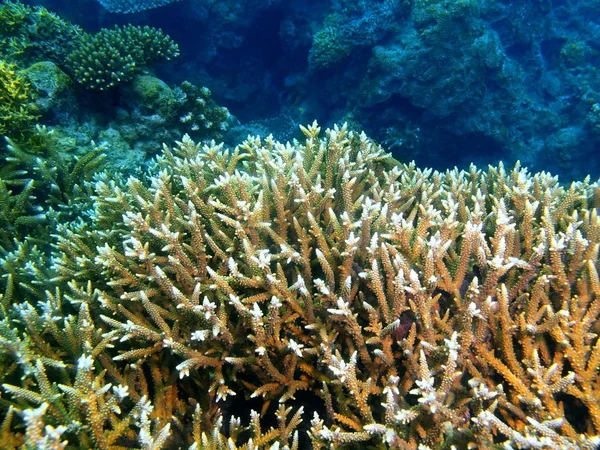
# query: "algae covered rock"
x,y
119,154
150,95
53,88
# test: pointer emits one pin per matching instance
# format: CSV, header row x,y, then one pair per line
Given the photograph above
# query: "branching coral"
x,y
13,15
113,56
404,308
199,112
39,186
17,111
83,404
57,174
30,34
98,61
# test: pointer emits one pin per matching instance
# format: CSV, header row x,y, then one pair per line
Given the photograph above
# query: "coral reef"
x,y
113,56
328,48
313,294
427,69
343,298
151,95
99,61
354,25
185,108
450,65
13,15
38,181
50,59
199,112
53,89
511,77
133,6
152,112
32,34
17,111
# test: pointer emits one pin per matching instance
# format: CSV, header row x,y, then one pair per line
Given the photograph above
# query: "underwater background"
x,y
291,224
443,83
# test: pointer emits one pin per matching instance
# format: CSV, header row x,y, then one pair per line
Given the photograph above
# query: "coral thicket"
x,y
343,298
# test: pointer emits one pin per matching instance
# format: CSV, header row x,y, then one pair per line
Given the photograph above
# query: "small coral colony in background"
x,y
315,293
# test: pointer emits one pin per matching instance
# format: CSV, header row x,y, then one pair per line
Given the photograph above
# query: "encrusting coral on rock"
x,y
350,301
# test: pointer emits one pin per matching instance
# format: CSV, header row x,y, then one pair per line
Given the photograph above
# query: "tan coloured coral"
x,y
376,303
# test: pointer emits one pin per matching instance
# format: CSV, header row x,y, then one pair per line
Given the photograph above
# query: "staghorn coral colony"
x,y
312,294
347,300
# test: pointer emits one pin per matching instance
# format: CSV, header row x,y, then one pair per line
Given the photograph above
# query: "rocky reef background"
x,y
442,82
